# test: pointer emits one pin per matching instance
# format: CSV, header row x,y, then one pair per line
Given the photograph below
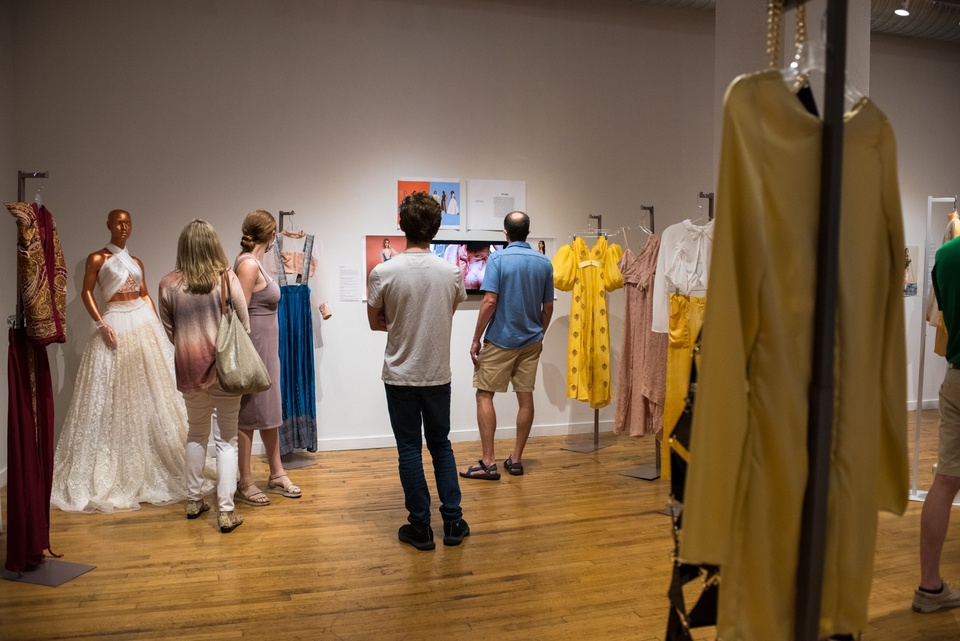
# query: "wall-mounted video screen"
x,y
470,257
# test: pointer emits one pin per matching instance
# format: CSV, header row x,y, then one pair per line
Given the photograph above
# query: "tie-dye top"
x,y
192,322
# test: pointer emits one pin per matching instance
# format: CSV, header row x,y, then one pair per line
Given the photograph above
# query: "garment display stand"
x,y
813,525
915,493
586,448
649,472
50,572
292,460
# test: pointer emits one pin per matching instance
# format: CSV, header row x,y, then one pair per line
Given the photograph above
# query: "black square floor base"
x,y
51,572
295,460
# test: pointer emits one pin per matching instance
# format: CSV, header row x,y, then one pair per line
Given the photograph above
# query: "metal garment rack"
x,y
648,472
586,448
813,525
915,494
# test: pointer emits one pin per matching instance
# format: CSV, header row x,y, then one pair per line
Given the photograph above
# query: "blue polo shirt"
x,y
522,279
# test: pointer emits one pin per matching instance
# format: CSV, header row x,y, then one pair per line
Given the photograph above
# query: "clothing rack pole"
x,y
648,472
585,448
709,197
813,526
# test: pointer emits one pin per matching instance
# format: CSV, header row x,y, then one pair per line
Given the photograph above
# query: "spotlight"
x,y
903,9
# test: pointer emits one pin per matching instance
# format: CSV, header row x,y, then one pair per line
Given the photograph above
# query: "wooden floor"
x,y
572,550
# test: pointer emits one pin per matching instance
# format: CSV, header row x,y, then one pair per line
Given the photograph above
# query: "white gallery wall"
x,y
8,191
917,84
177,109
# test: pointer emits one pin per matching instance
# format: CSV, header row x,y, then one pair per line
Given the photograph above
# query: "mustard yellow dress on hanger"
x,y
748,466
589,273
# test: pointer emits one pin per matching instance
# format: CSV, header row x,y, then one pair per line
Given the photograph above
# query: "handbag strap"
x,y
225,292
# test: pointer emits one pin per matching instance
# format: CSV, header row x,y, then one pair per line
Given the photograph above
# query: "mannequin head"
x,y
259,227
120,226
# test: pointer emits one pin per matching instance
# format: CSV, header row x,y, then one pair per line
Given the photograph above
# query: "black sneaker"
x,y
419,536
454,531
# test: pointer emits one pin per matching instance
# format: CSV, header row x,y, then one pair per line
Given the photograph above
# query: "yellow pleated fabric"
x,y
589,273
748,466
686,319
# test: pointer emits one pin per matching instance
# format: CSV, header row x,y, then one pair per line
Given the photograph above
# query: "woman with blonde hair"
x,y
261,411
190,309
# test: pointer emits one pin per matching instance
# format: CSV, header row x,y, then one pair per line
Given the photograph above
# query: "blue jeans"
x,y
410,407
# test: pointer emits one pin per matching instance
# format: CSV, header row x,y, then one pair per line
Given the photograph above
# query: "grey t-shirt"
x,y
417,291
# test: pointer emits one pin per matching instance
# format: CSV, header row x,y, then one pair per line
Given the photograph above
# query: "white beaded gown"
x,y
124,436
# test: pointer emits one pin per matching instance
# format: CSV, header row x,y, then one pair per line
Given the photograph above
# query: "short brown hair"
x,y
420,217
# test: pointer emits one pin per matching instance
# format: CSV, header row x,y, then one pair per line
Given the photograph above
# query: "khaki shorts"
x,y
948,450
498,366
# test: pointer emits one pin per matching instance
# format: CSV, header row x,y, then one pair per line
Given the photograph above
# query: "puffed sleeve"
x,y
612,276
564,268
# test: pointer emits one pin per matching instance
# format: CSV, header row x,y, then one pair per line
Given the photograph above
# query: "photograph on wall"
x,y
910,255
379,249
546,246
446,191
491,200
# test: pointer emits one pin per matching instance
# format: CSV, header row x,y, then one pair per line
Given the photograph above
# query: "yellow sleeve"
x,y
564,268
612,276
731,321
893,478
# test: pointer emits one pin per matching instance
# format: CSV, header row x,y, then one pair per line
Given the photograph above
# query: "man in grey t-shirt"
x,y
412,298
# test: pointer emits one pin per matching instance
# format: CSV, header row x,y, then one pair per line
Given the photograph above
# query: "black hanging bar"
x,y
282,215
649,208
819,428
709,197
22,180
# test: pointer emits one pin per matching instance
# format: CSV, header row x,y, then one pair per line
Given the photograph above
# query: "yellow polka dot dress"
x,y
589,273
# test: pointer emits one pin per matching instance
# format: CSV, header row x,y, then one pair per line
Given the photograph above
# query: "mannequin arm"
x,y
94,263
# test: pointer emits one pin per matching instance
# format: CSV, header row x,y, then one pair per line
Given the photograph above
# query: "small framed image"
x,y
910,255
446,191
546,246
380,249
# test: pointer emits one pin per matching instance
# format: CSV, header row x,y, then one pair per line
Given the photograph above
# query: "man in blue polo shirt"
x,y
515,311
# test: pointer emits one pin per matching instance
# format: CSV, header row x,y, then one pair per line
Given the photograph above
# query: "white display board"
x,y
488,201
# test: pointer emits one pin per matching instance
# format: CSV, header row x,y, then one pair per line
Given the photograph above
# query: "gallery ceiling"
x,y
931,19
